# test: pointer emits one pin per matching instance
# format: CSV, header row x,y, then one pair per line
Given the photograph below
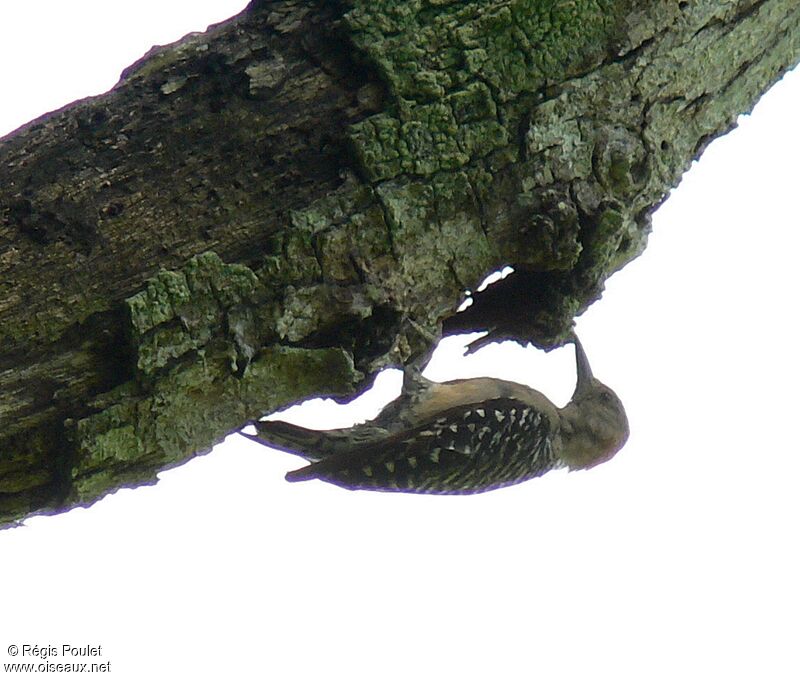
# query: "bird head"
x,y
595,424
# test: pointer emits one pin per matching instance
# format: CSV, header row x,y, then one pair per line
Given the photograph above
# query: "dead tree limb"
x,y
301,196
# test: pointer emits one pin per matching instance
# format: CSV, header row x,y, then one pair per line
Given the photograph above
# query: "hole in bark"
x,y
494,277
490,279
520,304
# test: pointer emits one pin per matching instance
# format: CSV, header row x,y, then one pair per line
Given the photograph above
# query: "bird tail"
x,y
281,435
298,475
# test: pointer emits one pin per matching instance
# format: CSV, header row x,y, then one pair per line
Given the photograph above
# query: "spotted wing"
x,y
471,448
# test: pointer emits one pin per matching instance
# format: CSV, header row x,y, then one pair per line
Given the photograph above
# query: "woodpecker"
x,y
460,437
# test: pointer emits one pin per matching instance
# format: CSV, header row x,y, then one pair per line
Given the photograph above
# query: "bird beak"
x,y
585,377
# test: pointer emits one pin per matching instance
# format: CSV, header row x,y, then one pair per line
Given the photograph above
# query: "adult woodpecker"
x,y
461,437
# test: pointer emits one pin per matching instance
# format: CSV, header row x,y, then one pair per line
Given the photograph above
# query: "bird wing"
x,y
470,448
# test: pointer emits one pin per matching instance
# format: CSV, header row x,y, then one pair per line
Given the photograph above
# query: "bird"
x,y
460,437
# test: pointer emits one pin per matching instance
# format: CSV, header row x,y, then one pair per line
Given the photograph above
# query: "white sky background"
x,y
678,558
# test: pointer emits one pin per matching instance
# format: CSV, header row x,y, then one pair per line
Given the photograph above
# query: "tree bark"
x,y
303,195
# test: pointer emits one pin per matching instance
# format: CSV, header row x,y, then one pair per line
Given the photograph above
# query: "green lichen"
x,y
533,132
119,444
181,311
451,69
571,119
159,302
192,408
297,253
612,243
283,375
299,264
322,308
340,239
463,192
437,238
111,437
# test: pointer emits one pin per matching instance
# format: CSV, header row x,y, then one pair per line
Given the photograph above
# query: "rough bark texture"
x,y
284,205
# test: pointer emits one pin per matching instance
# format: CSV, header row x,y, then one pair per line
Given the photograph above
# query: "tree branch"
x,y
289,202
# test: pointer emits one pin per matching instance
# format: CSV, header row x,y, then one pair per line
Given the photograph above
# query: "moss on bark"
x,y
286,204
